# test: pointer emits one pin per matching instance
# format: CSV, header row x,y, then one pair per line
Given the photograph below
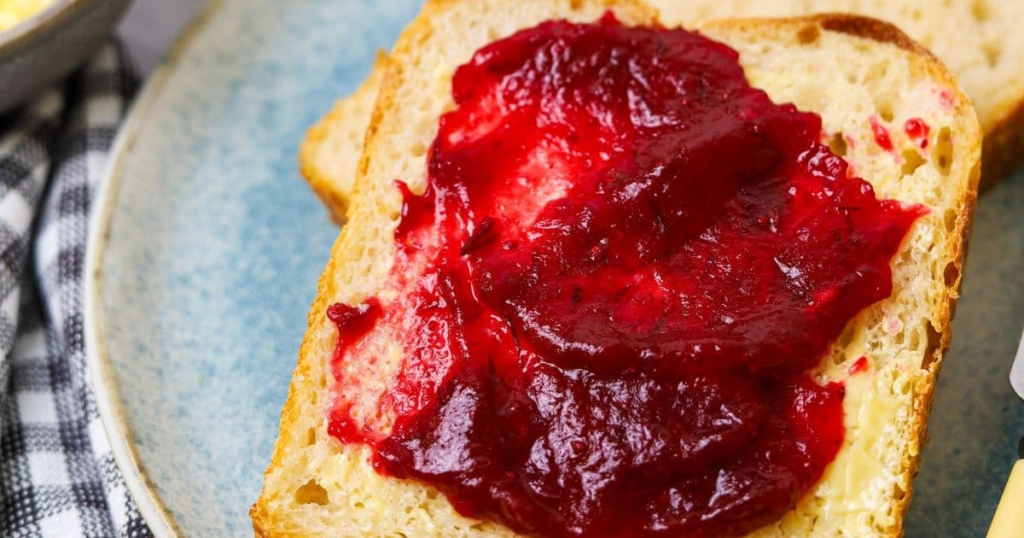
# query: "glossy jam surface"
x,y
917,130
859,366
881,133
609,297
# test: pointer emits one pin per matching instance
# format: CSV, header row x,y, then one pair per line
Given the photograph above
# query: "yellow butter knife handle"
x,y
1009,519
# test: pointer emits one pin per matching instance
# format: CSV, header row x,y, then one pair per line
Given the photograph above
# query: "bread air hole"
x,y
942,152
931,353
311,493
885,109
808,34
846,338
899,494
951,274
979,10
912,160
837,143
993,52
915,340
949,220
419,150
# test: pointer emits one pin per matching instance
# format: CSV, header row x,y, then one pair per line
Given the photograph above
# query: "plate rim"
x,y
109,402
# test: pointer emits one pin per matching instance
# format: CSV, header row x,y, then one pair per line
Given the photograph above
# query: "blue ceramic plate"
x,y
207,246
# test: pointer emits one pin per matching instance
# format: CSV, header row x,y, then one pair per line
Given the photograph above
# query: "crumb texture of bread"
x,y
978,40
318,486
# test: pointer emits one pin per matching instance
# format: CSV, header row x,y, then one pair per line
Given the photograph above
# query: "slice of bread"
x,y
977,40
329,153
850,71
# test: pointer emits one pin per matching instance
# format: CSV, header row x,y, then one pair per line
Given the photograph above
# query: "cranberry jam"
x,y
608,299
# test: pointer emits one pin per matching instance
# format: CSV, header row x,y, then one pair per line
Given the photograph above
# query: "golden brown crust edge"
x,y
262,519
870,28
1003,149
319,183
924,391
844,23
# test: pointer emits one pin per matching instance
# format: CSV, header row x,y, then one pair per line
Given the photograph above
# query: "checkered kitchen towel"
x,y
57,474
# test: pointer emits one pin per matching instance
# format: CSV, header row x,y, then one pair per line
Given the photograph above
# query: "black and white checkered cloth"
x,y
57,473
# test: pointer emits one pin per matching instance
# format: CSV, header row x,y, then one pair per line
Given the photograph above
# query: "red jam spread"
x,y
608,299
859,366
917,130
882,137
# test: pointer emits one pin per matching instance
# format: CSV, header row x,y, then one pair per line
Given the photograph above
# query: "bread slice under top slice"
x,y
329,153
977,40
847,69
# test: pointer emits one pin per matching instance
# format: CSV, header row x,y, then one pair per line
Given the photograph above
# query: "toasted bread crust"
x,y
868,28
375,210
1002,151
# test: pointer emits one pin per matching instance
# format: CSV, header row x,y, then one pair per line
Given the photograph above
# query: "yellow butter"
x,y
13,12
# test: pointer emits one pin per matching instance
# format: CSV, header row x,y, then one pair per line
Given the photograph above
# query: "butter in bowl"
x,y
42,41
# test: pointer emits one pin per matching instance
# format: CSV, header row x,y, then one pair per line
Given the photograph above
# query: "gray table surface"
x,y
150,27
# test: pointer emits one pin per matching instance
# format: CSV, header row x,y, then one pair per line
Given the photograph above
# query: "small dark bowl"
x,y
47,46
